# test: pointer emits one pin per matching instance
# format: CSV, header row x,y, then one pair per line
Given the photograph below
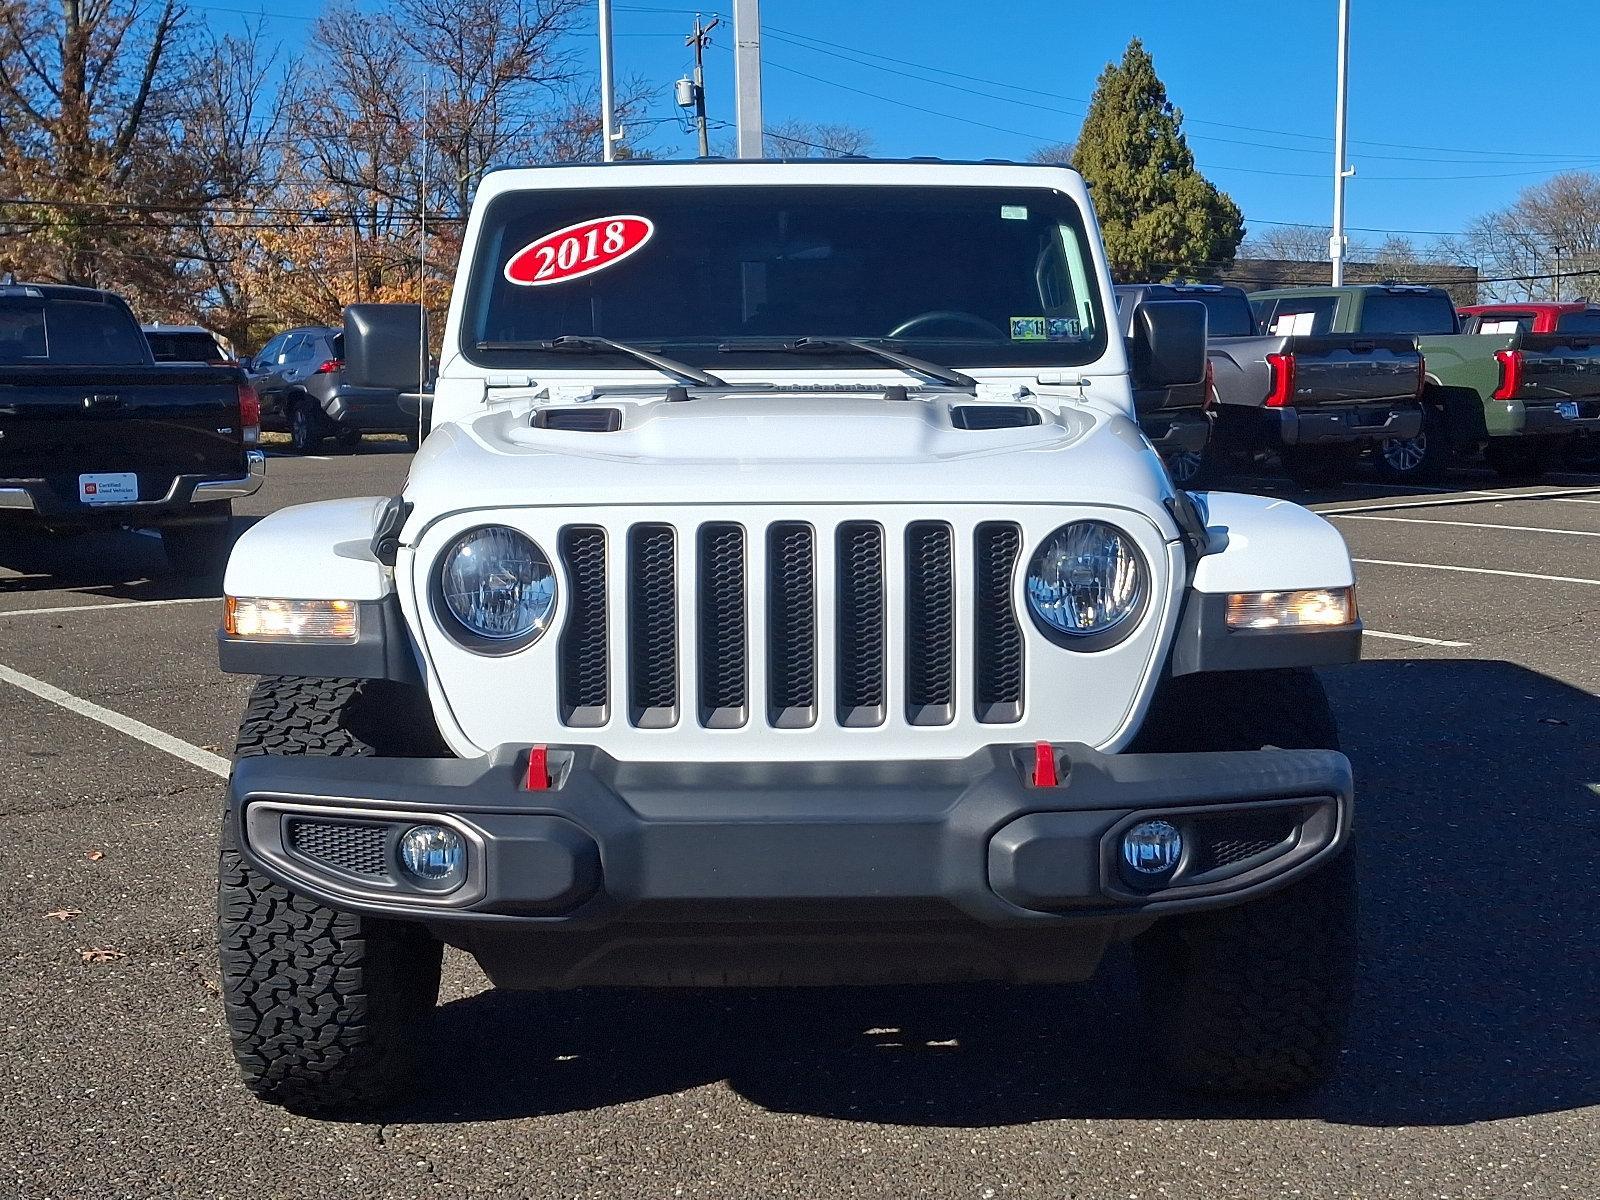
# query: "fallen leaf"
x,y
101,954
64,914
1551,721
95,855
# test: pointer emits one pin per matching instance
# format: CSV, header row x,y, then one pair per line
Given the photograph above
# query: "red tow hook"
x,y
538,777
1044,766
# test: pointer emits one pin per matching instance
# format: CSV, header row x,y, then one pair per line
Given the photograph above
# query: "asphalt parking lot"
x,y
1473,1068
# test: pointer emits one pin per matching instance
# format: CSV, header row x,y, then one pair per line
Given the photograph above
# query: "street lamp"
x,y
322,216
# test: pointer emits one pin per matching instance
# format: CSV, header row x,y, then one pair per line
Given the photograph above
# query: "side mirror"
x,y
245,364
385,346
1168,345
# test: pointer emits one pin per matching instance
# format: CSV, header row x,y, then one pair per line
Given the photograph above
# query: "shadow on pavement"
x,y
117,564
1478,831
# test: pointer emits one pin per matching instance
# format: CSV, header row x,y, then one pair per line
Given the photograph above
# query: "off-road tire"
x,y
200,550
305,425
1252,999
327,1010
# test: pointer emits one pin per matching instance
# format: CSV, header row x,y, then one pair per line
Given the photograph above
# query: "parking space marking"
x,y
1468,498
1470,524
77,608
149,735
1411,637
1389,562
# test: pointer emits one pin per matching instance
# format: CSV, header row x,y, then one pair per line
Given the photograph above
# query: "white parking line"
x,y
77,608
1411,637
1388,562
138,730
1467,498
1470,524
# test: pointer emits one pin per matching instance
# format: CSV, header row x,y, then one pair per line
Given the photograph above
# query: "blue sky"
x,y
1440,121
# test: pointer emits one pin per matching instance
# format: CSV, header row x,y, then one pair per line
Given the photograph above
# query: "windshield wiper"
x,y
916,366
682,372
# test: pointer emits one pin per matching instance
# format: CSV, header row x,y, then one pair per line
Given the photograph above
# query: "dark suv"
x,y
300,377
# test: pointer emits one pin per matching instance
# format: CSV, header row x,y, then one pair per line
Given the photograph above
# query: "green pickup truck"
x,y
1518,398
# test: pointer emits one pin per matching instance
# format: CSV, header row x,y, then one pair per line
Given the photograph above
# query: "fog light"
x,y
1150,851
434,856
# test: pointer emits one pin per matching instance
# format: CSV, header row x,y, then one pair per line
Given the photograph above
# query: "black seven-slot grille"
x,y
727,630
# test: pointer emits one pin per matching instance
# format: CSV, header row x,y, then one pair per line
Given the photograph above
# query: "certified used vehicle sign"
x,y
108,487
578,250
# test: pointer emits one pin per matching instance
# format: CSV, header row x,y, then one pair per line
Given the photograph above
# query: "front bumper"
x,y
37,498
1343,424
616,856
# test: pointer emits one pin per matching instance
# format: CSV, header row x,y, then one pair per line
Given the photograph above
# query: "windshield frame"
x,y
707,351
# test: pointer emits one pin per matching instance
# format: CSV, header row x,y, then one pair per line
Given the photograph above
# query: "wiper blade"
x,y
682,372
916,366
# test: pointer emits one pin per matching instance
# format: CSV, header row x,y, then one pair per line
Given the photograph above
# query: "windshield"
x,y
73,333
717,276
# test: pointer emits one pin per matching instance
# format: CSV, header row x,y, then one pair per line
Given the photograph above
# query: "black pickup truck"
x,y
95,433
1314,398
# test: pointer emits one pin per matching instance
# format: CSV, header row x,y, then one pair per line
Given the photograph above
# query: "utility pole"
x,y
700,39
1558,251
608,134
747,76
1337,244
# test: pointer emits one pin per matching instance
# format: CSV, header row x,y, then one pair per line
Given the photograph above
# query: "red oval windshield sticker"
x,y
579,250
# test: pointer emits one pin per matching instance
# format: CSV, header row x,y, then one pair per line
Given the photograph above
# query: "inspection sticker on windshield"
x,y
578,250
1046,329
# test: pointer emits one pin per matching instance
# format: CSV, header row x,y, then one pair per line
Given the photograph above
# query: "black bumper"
x,y
1342,424
373,410
664,872
1550,419
1182,432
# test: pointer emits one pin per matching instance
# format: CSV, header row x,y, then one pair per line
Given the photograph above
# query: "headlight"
x,y
498,585
1088,578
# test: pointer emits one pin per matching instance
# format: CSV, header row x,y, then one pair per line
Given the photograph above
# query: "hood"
x,y
822,446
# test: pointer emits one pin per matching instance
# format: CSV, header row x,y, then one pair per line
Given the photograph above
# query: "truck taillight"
x,y
1281,390
249,414
329,367
1210,400
1510,374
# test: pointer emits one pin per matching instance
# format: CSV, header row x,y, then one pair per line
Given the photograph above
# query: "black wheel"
x,y
347,440
305,426
1190,468
201,549
1421,459
327,1010
1252,999
1315,467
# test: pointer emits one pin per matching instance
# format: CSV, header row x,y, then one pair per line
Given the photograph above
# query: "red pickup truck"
x,y
1543,317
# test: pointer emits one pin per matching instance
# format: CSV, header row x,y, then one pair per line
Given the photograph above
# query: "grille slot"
x,y
349,848
860,638
653,626
584,663
791,625
1228,838
930,624
998,640
724,671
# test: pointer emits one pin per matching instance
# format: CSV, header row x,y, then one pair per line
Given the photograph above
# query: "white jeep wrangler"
x,y
785,594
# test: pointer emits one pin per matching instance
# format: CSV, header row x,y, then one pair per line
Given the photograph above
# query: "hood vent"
x,y
579,420
993,416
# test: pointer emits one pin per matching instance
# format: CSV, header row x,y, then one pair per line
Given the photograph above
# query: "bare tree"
x,y
801,139
1551,228
1057,154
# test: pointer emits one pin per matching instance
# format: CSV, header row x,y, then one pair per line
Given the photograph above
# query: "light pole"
x,y
608,99
1341,170
747,76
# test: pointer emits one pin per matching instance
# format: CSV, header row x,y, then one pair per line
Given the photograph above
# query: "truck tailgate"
x,y
1557,366
1352,368
58,423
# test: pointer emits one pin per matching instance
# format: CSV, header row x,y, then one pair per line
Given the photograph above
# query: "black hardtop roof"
x,y
59,291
